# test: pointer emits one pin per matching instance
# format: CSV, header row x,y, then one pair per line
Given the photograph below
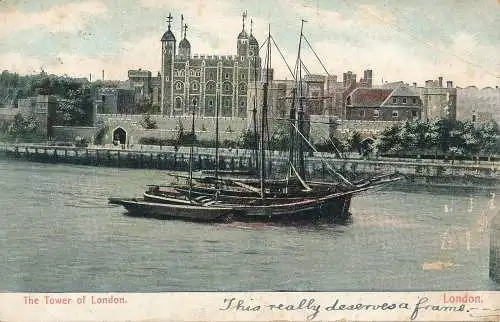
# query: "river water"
x,y
58,234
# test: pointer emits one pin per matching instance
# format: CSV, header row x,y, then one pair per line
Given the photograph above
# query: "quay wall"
x,y
167,158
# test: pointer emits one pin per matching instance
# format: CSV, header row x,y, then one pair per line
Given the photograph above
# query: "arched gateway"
x,y
120,135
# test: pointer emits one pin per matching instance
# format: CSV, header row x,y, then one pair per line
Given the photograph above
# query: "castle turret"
x,y
242,42
253,43
167,65
184,45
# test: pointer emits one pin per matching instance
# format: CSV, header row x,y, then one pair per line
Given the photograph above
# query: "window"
x,y
166,78
198,73
404,100
179,86
414,101
227,103
242,76
242,103
376,113
362,113
242,58
226,75
210,103
395,114
194,86
394,100
210,87
178,103
243,89
227,87
414,113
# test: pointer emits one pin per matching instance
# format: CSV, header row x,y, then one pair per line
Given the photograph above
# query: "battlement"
x,y
210,57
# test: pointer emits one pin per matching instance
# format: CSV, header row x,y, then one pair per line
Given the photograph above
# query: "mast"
x,y
263,123
217,138
254,114
300,111
191,153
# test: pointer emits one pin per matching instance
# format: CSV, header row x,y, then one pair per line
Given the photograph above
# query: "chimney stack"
x,y
414,84
440,81
449,84
103,74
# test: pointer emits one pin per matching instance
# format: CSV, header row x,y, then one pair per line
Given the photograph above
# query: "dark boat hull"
x,y
334,207
140,207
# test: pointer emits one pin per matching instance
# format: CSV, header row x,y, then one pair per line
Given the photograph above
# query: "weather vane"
x,y
169,19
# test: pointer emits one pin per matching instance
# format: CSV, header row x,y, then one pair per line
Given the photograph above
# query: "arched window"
x,y
198,73
179,86
243,89
210,87
195,86
178,103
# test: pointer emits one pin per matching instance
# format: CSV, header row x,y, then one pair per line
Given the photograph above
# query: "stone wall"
x,y
70,133
365,128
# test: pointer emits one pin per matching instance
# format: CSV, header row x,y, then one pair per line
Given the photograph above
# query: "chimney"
x,y
90,77
449,84
414,84
103,74
440,81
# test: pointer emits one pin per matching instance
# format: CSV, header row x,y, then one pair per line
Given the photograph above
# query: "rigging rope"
x,y
329,167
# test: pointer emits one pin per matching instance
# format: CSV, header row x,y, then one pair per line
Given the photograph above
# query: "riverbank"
x,y
417,171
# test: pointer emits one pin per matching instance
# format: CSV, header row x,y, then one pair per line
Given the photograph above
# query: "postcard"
x,y
217,160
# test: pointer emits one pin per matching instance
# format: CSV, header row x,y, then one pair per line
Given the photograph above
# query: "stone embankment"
x,y
417,171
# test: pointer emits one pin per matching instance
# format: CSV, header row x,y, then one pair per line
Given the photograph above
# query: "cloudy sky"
x,y
398,39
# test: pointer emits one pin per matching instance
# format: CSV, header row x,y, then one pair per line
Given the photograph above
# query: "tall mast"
x,y
300,111
263,123
191,154
254,111
217,101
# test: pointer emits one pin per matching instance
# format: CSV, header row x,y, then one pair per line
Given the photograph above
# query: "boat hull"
x,y
142,208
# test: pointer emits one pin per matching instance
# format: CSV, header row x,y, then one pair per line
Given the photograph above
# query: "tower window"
x,y
226,87
404,100
195,86
376,113
414,101
395,114
226,75
179,86
242,58
198,73
242,76
394,100
210,103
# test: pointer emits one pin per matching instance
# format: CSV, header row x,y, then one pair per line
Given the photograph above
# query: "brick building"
x,y
380,104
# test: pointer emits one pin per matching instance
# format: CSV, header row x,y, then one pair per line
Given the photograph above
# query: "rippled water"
x,y
58,234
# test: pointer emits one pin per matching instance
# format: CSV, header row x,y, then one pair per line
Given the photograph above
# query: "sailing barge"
x,y
220,198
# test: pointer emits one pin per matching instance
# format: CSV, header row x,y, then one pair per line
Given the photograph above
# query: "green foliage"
x,y
443,136
354,142
101,133
148,123
249,140
27,130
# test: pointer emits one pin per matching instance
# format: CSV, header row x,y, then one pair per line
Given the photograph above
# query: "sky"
x,y
412,41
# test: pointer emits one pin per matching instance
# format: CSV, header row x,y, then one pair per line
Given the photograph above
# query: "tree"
x,y
355,142
148,123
